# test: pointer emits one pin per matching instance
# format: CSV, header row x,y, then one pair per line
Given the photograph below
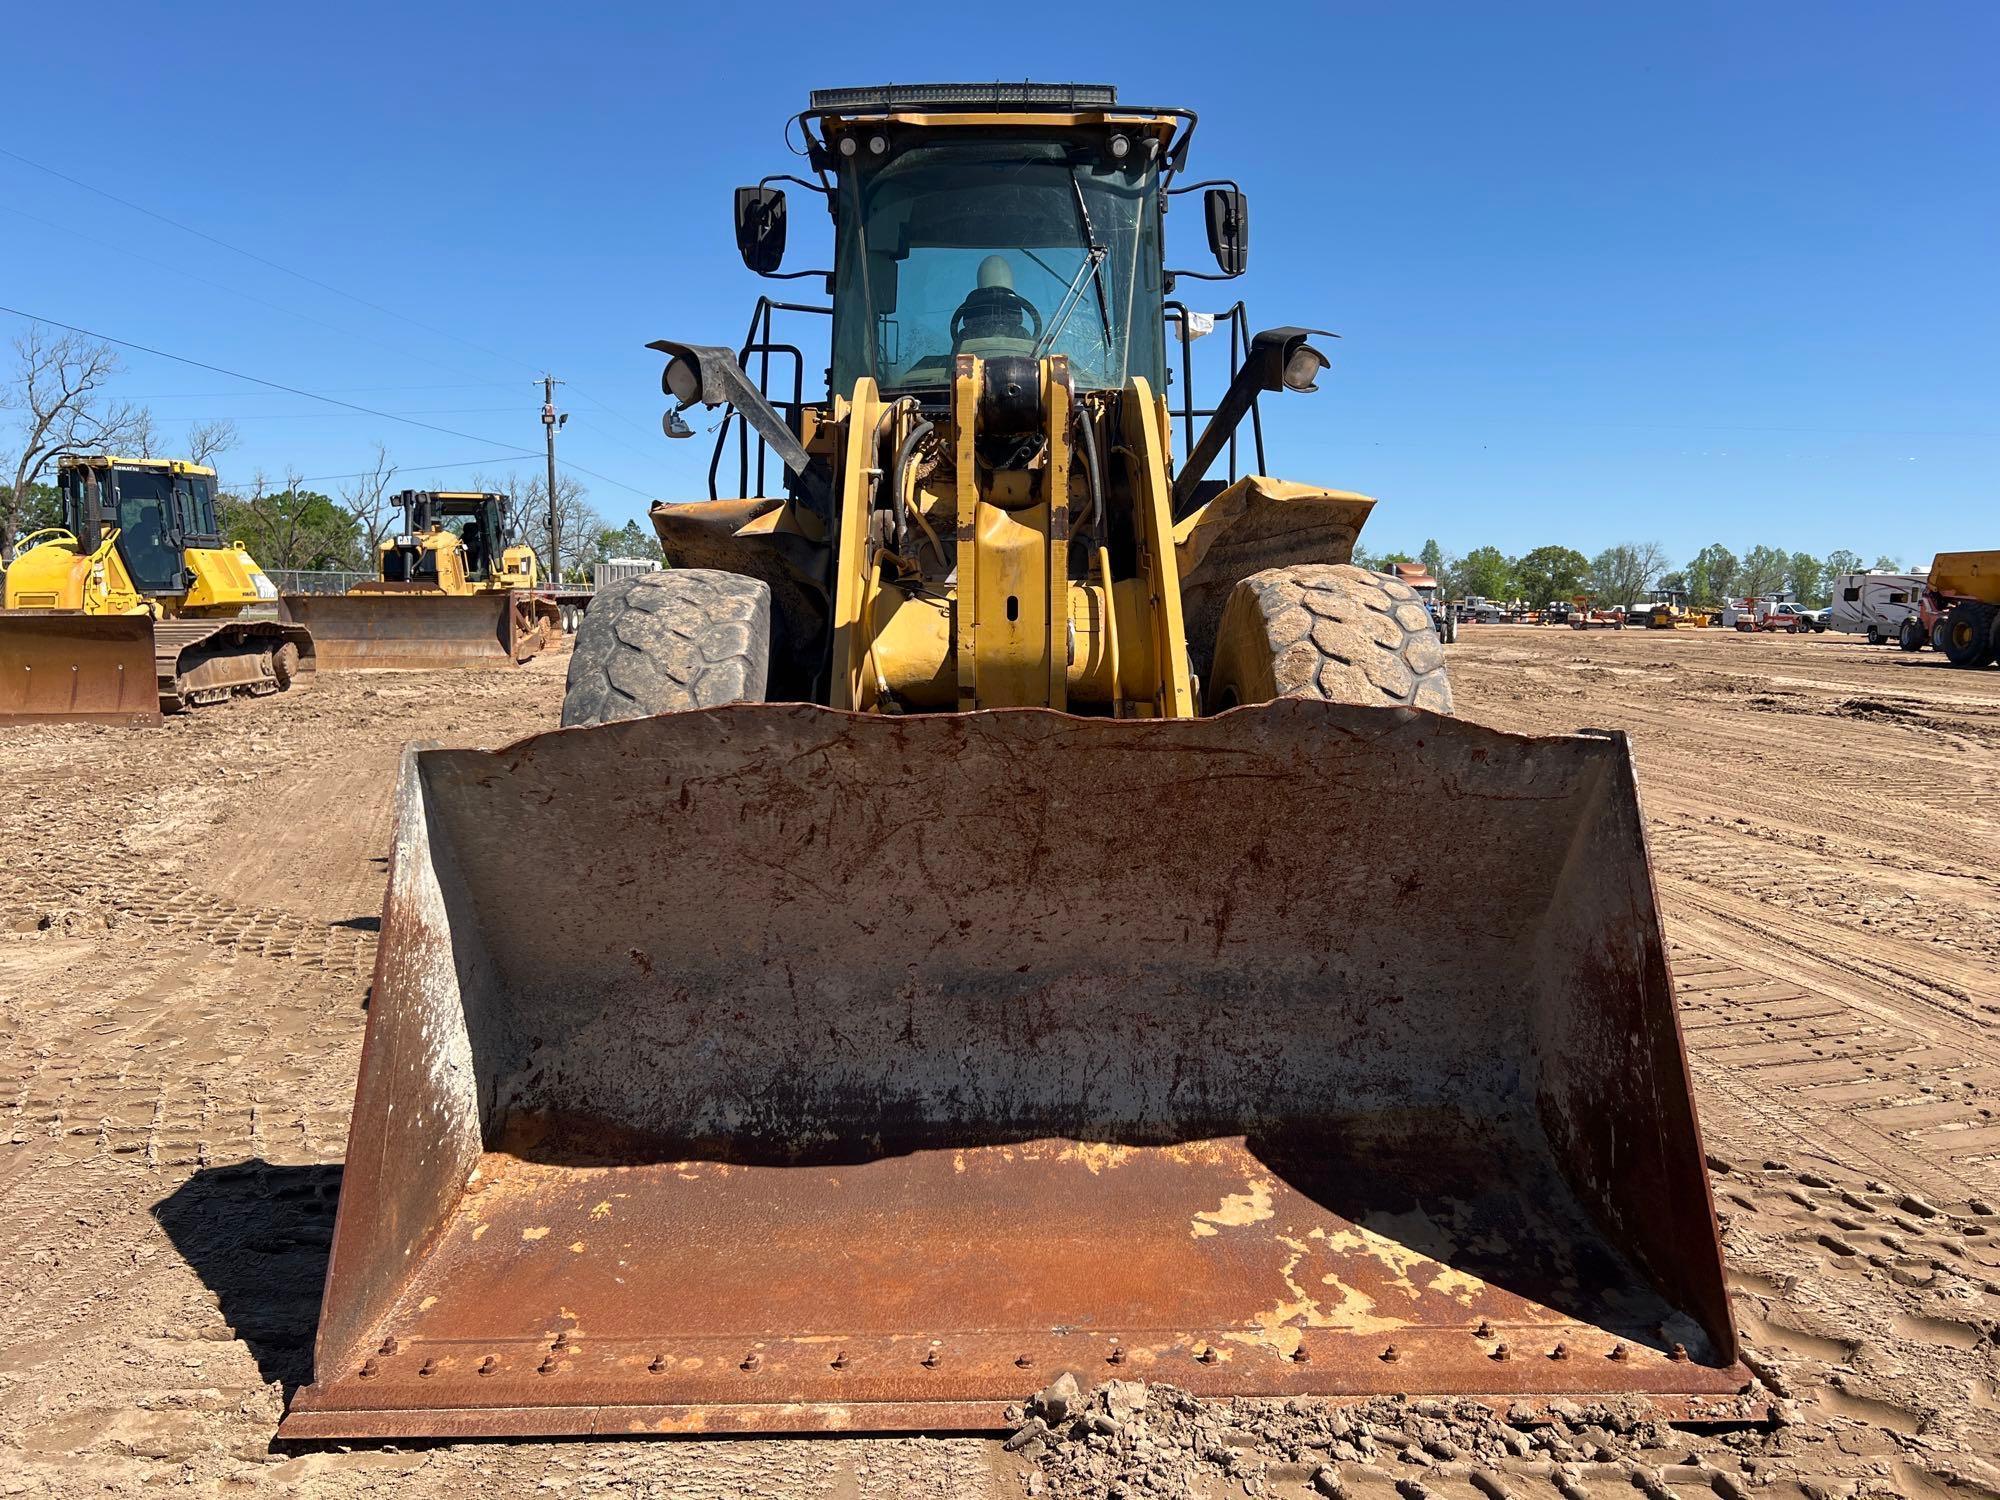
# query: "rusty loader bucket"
x,y
62,667
420,629
888,1067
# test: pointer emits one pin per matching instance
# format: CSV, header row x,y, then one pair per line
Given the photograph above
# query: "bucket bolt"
x,y
839,1361
429,1367
930,1359
752,1362
1501,1351
488,1365
1561,1351
369,1369
1620,1353
1300,1356
1679,1354
1024,1361
562,1343
547,1366
1116,1356
1391,1354
1206,1354
658,1366
1484,1330
389,1346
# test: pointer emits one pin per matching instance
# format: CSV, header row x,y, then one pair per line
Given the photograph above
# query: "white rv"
x,y
1874,604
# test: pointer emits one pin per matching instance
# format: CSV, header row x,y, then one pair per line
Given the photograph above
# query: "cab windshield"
x,y
146,541
992,247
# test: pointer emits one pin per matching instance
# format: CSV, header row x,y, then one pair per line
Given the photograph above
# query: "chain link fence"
x,y
316,580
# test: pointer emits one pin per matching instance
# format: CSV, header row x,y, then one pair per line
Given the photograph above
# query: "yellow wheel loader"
x,y
134,607
454,587
1014,942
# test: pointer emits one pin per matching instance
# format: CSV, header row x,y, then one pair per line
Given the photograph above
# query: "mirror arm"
x,y
723,383
1263,370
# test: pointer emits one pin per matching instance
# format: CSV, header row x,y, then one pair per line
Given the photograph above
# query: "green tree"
x,y
292,527
1765,570
1887,564
625,543
41,507
1840,561
1433,559
1672,583
1486,572
1551,573
1712,575
1806,578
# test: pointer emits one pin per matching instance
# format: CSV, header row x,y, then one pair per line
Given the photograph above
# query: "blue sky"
x,y
1603,272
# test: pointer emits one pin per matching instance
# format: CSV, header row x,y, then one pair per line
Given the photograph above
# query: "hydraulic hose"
x,y
1093,472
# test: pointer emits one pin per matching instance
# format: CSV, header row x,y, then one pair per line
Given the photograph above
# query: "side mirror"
x,y
1228,213
760,227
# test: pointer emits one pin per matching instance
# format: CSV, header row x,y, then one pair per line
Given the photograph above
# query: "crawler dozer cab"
x,y
134,606
1016,944
453,587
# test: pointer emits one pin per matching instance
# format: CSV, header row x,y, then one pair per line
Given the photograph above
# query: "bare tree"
x,y
578,522
58,390
207,439
1620,574
367,500
291,527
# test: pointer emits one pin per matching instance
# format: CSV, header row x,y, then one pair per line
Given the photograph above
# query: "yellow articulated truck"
x,y
454,587
1012,942
135,607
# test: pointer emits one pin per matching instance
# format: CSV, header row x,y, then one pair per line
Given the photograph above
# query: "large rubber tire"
x,y
1967,634
1910,634
285,664
662,642
1330,631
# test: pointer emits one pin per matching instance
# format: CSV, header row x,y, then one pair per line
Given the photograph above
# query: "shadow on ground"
x,y
258,1235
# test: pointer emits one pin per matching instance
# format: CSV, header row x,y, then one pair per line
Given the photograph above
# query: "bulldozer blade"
x,y
890,1067
420,630
75,668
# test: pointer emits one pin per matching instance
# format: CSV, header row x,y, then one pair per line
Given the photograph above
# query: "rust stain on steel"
x,y
979,1039
416,629
73,668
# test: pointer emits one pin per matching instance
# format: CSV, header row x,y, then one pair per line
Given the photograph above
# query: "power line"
x,y
147,260
367,411
262,260
463,463
299,275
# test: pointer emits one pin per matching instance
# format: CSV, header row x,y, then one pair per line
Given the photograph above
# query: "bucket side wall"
x,y
1613,1089
415,1135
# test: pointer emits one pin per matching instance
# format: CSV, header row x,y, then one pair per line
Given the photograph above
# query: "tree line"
x,y
1628,572
59,397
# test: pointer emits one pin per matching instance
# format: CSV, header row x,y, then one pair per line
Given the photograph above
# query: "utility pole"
x,y
551,420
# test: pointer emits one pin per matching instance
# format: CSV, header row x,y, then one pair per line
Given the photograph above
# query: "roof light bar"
x,y
892,96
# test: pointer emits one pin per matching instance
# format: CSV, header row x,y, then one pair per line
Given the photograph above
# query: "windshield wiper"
x,y
1090,272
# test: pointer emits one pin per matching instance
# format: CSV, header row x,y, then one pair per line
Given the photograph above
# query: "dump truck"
x,y
1013,943
1960,607
135,607
454,586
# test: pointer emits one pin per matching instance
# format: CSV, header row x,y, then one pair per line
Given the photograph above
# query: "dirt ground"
x,y
187,921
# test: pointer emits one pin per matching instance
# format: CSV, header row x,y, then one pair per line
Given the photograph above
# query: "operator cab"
x,y
160,507
477,520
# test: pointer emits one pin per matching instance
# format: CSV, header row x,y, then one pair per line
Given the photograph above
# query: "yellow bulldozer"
x,y
1014,941
135,607
454,587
